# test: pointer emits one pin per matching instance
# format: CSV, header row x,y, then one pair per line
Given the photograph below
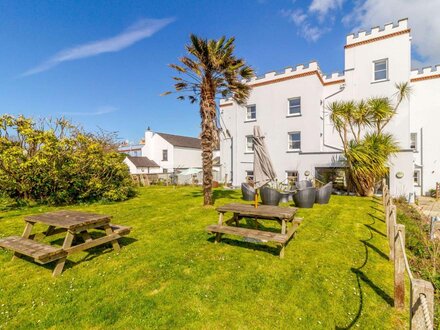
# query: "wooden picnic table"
x,y
283,215
75,224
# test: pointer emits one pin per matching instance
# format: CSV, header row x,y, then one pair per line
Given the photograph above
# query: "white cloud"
x,y
322,7
316,21
143,29
423,21
100,111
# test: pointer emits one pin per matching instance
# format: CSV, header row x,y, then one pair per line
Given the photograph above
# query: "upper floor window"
x,y
294,141
164,155
249,144
251,112
294,106
380,70
413,142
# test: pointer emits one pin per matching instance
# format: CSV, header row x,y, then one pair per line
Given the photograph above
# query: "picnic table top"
x,y
69,219
262,210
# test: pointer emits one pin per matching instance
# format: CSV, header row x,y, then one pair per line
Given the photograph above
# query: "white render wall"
x,y
320,144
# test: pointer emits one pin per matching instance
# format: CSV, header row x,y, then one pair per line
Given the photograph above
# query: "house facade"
x,y
291,108
166,153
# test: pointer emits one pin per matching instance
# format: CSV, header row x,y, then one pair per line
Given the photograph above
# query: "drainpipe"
x,y
341,89
421,162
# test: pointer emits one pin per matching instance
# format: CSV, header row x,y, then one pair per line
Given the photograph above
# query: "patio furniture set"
x,y
303,194
76,225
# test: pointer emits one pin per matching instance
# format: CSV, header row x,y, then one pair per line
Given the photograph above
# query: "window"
x,y
413,144
292,177
251,113
294,106
249,176
417,178
249,144
380,70
294,141
164,155
165,170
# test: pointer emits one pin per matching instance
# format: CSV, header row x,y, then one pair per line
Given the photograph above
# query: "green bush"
x,y
55,162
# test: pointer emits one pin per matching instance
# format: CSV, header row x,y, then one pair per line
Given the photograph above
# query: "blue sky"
x,y
104,63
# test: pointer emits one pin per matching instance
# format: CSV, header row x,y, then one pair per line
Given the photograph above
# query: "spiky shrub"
x,y
366,147
210,69
55,162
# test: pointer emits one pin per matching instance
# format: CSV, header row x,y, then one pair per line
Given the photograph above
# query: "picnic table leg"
x,y
26,233
49,231
85,236
283,231
61,262
218,236
115,243
236,219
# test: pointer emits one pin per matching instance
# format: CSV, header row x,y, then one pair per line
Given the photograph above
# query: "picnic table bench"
x,y
283,215
75,224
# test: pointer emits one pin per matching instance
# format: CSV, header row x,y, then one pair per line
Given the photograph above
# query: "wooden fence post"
x,y
392,227
399,267
387,214
422,316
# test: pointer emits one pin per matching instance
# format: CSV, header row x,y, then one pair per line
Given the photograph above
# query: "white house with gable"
x,y
165,153
290,106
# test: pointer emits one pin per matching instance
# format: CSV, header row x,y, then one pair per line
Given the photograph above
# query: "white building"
x,y
165,153
290,108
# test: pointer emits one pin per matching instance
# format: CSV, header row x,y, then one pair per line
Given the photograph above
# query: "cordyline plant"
x,y
209,70
366,147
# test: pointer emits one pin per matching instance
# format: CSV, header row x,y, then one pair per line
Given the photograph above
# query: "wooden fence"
x,y
421,307
437,190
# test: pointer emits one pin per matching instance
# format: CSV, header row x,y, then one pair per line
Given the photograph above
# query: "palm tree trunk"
x,y
207,114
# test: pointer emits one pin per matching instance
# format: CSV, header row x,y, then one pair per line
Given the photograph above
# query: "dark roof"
x,y
182,141
142,162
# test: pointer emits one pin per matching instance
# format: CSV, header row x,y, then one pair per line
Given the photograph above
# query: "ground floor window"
x,y
337,175
417,178
250,176
292,177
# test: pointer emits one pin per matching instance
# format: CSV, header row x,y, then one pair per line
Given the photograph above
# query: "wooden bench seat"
x,y
40,252
264,236
121,230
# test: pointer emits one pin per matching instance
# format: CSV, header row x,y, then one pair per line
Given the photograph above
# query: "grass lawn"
x,y
170,274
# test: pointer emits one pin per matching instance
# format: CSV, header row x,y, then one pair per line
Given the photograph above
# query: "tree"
x,y
55,162
366,147
209,70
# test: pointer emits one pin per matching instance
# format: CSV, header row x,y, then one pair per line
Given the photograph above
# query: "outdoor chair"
x,y
248,192
305,198
323,194
270,196
303,184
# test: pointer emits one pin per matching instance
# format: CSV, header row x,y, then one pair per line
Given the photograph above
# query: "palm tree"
x,y
209,70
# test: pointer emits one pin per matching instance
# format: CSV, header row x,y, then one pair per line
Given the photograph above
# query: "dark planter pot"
x,y
248,192
270,196
284,197
305,198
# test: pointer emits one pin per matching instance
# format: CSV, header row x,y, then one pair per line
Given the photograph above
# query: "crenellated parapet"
x,y
377,33
430,72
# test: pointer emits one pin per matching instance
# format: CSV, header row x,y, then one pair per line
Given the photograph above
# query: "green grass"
x,y
170,274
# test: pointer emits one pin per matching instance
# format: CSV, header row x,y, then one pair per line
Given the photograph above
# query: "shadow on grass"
x,y
248,245
362,278
376,217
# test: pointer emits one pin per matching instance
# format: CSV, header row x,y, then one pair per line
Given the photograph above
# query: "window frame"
x,y
386,70
247,150
164,155
289,114
417,178
288,141
415,141
248,107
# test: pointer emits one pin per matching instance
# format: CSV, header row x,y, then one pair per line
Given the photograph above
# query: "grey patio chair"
x,y
305,198
303,184
270,196
323,194
248,192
